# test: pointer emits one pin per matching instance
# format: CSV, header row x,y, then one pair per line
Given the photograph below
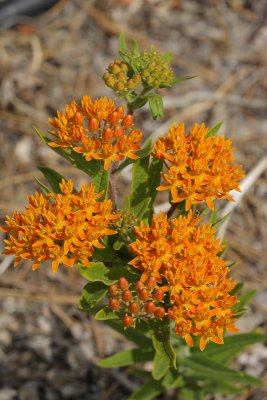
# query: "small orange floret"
x,y
200,168
63,228
98,130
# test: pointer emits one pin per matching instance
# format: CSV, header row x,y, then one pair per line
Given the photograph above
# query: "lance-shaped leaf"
x,y
127,357
93,292
53,178
100,181
105,314
214,130
160,334
148,391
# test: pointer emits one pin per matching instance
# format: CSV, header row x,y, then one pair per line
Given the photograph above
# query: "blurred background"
x,y
52,52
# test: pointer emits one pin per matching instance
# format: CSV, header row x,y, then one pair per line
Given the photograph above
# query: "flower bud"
x,y
150,307
127,121
78,118
127,295
120,111
138,285
114,304
144,294
114,68
93,124
158,295
124,67
119,86
130,84
151,282
110,81
113,290
118,131
123,283
107,134
128,321
134,308
159,312
121,76
113,118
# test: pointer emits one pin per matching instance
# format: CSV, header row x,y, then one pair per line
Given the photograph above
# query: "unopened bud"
x,y
93,124
151,282
119,86
127,295
120,111
128,321
150,307
123,283
107,134
113,118
118,131
114,68
138,285
134,308
114,304
144,294
158,295
127,121
159,312
113,290
78,118
110,81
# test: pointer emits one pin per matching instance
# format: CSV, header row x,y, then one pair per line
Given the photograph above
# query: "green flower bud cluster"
x,y
117,77
155,69
125,225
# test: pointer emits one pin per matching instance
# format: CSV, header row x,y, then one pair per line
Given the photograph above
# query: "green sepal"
x,y
105,314
127,357
96,272
53,178
156,105
214,130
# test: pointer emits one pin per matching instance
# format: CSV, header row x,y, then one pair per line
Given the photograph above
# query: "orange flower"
x,y
199,167
183,256
98,130
63,228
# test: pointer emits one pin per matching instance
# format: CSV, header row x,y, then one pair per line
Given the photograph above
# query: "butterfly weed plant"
x,y
158,279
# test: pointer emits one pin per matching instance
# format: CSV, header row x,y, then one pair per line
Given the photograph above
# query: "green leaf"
x,y
124,51
160,335
148,391
142,209
244,299
155,169
100,182
96,272
136,335
77,160
92,293
144,152
107,254
126,357
173,379
184,78
232,346
160,366
103,315
53,178
202,367
212,131
136,52
191,394
155,105
219,222
43,187
220,387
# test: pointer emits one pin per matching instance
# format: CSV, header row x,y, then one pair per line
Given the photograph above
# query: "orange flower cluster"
x,y
183,257
199,167
63,228
99,130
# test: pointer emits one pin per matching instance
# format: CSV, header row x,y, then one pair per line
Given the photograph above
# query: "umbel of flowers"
x,y
63,228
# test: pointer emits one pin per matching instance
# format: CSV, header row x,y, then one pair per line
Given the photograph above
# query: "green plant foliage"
x,y
52,177
127,357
